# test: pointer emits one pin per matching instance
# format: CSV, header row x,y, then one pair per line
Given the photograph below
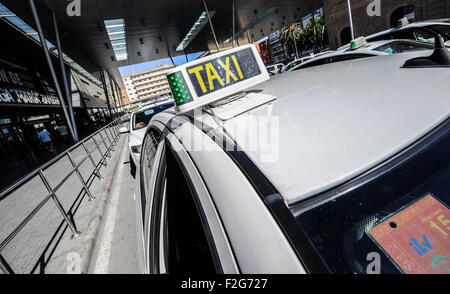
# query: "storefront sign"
x,y
15,96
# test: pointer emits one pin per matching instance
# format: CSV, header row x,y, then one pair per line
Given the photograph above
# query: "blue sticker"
x,y
148,112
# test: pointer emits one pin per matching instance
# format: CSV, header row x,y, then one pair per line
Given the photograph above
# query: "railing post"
x,y
100,151
113,140
58,205
80,177
104,143
96,170
114,128
108,136
4,266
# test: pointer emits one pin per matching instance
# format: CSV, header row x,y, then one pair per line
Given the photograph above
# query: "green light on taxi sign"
x,y
179,89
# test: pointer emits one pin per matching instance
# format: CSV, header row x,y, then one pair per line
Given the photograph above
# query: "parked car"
x,y
358,167
136,130
424,31
371,49
275,68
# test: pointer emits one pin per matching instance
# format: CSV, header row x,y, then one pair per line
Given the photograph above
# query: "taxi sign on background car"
x,y
358,43
215,77
417,237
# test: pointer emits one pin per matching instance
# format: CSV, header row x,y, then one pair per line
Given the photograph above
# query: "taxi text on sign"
x,y
213,75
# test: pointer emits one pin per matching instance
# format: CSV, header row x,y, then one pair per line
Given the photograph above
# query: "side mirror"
x,y
123,130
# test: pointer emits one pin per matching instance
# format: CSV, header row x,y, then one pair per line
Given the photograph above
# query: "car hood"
x,y
332,123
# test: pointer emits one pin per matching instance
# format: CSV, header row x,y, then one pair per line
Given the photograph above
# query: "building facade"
x,y
367,23
148,84
29,103
126,99
277,47
265,51
129,88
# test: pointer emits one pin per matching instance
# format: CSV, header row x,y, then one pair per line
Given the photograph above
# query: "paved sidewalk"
x,y
47,232
115,249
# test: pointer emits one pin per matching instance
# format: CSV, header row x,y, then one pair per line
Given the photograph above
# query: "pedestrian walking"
x,y
46,140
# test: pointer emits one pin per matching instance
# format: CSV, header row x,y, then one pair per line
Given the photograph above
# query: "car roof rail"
x,y
439,58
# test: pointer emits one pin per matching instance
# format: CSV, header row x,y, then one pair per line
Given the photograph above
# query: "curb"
x,y
89,239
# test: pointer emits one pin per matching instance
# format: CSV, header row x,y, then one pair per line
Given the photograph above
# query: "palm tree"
x,y
315,33
292,34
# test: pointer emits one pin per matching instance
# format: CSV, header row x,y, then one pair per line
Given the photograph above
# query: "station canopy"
x,y
114,33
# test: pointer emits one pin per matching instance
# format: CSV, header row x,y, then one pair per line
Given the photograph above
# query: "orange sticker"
x,y
417,237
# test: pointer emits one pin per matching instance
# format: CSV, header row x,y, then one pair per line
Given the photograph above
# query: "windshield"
x,y
344,225
402,47
142,118
292,64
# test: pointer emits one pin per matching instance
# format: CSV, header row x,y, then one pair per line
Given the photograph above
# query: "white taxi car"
x,y
369,49
423,31
137,126
275,69
318,171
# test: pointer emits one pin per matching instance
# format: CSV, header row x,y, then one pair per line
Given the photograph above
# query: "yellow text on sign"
x,y
211,73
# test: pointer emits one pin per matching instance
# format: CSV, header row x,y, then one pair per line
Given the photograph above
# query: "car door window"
x,y
147,165
443,30
185,245
402,47
423,36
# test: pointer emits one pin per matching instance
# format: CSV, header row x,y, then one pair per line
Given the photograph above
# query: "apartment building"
x,y
129,88
148,84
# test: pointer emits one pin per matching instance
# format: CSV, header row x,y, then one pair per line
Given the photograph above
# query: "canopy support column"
x,y
52,69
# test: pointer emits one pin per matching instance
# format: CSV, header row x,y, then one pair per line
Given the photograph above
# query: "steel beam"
x,y
105,88
50,65
211,25
64,76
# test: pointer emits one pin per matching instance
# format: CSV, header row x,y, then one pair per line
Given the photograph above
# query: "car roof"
x,y
339,120
374,44
445,22
368,49
409,26
339,53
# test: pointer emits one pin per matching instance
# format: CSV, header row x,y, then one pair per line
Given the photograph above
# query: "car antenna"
x,y
439,58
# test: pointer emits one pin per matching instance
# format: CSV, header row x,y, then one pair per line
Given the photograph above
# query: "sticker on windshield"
x,y
148,112
417,237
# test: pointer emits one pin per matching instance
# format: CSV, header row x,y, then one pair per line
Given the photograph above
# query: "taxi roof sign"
x,y
215,77
358,43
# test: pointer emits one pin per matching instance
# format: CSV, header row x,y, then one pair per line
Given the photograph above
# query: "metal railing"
x,y
109,136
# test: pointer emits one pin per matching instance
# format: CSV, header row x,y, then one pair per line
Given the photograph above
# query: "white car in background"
x,y
376,48
136,130
275,68
296,62
424,31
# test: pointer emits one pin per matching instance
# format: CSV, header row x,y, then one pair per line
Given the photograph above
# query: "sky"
x,y
179,60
